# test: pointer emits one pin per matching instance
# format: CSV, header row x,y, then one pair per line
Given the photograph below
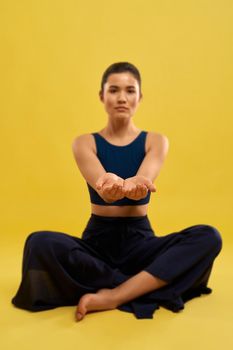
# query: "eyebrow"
x,y
115,86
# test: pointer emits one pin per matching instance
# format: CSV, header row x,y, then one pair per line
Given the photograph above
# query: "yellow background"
x,y
53,55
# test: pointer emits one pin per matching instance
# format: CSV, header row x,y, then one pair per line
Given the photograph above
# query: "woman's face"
x,y
121,95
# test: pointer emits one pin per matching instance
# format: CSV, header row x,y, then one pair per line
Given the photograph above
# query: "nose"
x,y
121,96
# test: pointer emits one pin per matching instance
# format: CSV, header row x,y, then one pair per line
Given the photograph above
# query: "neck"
x,y
120,128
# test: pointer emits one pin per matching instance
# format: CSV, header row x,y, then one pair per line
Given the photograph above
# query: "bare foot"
x,y
102,300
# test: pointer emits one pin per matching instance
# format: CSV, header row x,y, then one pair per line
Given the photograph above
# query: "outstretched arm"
x,y
155,156
137,186
108,185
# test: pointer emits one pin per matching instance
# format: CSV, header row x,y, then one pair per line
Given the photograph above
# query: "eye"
x,y
131,91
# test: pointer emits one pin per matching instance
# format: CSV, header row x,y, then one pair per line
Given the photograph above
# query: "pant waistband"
x,y
119,218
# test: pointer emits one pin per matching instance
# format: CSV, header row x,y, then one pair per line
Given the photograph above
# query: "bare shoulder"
x,y
157,142
83,141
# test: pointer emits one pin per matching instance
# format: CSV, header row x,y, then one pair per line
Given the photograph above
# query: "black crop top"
x,y
124,161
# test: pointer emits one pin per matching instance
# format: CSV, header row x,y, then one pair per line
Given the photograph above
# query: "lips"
x,y
121,108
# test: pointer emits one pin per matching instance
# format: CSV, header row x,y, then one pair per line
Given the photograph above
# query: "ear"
x,y
101,96
141,97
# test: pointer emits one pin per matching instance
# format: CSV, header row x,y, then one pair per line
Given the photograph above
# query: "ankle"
x,y
117,297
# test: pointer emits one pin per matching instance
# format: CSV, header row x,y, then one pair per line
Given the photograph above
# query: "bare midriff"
x,y
126,210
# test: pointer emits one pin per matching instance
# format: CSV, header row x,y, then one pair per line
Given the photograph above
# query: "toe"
x,y
79,316
81,309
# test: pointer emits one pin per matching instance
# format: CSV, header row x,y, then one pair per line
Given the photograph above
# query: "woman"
x,y
119,262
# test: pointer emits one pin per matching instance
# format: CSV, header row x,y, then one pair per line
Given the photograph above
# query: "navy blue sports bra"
x,y
123,161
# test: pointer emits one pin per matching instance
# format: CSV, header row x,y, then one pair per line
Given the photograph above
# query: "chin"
x,y
122,114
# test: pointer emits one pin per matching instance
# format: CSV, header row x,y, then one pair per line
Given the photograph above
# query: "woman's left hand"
x,y
136,187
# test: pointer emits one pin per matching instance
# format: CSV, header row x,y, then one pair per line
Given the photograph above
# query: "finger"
x,y
144,192
120,182
137,193
119,190
123,190
100,183
113,190
119,193
141,190
132,192
107,189
152,188
126,187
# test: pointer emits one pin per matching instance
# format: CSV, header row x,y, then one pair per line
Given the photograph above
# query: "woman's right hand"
x,y
110,187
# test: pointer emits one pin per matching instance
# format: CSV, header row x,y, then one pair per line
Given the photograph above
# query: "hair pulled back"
x,y
120,67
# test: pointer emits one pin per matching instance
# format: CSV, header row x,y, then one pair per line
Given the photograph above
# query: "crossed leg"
x,y
106,299
195,250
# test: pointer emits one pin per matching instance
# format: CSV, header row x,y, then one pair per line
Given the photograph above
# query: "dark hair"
x,y
120,67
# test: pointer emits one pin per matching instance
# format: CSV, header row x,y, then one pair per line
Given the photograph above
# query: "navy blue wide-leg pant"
x,y
58,268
